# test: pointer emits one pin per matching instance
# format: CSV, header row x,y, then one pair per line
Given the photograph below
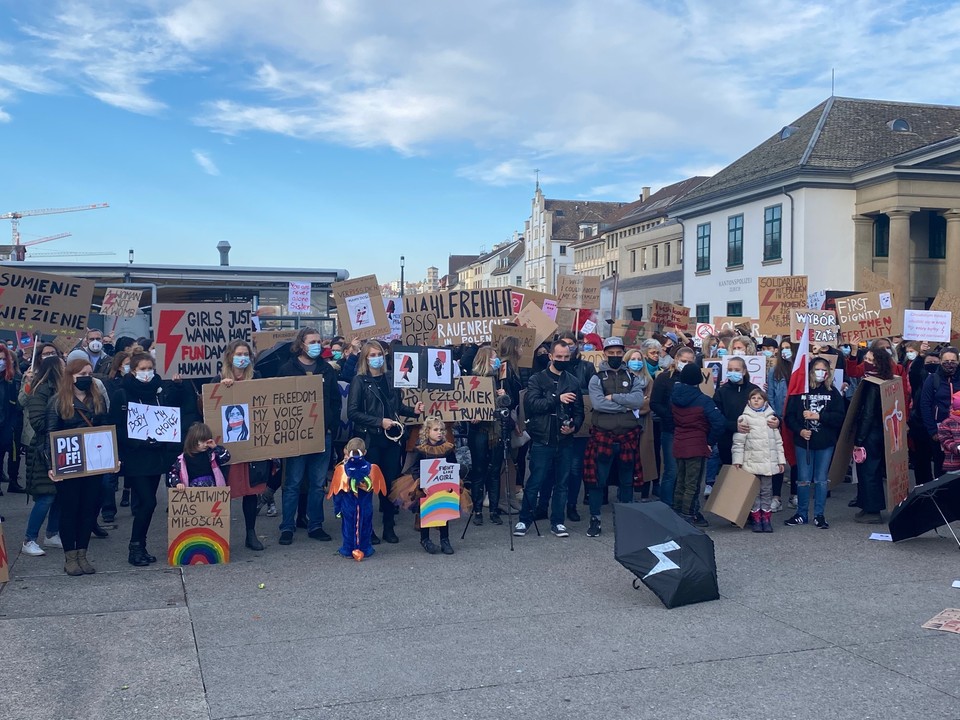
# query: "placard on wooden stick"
x,y
263,419
578,291
121,302
668,316
84,451
198,526
360,308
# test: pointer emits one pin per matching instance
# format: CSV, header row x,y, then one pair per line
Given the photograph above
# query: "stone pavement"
x,y
811,623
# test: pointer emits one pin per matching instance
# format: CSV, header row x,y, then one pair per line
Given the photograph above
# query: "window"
x,y
937,236
703,313
899,125
563,249
787,131
881,236
771,232
680,252
643,258
519,282
656,256
666,254
735,241
633,261
735,309
703,247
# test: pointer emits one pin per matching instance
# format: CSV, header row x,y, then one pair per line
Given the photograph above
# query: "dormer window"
x,y
899,125
787,131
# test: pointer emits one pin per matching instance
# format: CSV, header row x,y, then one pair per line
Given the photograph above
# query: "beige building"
x,y
500,267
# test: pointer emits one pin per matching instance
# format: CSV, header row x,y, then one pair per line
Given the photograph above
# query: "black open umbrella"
x,y
269,361
666,553
927,507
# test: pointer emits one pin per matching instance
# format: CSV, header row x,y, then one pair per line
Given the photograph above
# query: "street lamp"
x,y
130,256
401,275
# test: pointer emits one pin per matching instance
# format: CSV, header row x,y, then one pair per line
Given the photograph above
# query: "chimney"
x,y
223,247
645,193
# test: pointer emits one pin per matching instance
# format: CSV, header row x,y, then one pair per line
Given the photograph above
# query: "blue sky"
x,y
343,133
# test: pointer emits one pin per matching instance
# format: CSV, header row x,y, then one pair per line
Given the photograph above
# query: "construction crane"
x,y
14,217
69,254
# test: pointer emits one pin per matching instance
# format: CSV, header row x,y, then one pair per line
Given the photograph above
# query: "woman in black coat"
x,y
374,407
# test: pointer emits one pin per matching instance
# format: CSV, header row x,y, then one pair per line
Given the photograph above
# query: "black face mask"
x,y
615,362
541,361
561,365
949,367
83,383
931,368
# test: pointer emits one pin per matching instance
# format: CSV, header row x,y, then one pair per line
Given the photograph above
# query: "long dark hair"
x,y
883,363
784,368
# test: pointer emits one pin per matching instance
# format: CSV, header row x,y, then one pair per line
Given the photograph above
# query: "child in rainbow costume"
x,y
355,481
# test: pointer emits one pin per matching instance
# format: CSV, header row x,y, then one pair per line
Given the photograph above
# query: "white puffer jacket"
x,y
760,451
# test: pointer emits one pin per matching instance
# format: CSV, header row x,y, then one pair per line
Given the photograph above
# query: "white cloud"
x,y
206,162
4,115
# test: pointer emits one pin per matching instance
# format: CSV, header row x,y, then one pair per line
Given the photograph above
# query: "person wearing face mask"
x,y
305,359
935,401
78,403
731,399
662,409
617,396
868,440
95,346
375,407
144,461
742,345
778,379
349,355
11,417
856,369
922,451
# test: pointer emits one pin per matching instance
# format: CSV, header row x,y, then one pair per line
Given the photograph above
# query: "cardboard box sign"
x,y
360,308
578,291
739,325
454,317
267,339
526,336
667,316
190,339
83,452
198,526
36,302
733,495
472,398
121,302
949,302
868,281
263,419
534,318
868,316
776,296
822,323
4,559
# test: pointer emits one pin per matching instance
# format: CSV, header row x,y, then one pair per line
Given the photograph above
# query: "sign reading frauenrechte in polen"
x,y
40,303
190,339
454,317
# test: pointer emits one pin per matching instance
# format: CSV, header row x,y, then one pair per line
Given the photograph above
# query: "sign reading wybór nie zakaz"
x,y
454,317
40,303
190,339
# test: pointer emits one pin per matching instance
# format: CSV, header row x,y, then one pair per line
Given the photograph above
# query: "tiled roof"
x,y
569,214
840,134
458,262
516,254
658,204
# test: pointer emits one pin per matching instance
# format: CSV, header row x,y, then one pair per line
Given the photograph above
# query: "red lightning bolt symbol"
x,y
3,555
215,394
215,510
313,413
474,382
766,303
166,337
433,468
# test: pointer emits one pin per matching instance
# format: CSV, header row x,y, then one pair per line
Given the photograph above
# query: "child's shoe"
x,y
765,519
755,520
445,547
429,546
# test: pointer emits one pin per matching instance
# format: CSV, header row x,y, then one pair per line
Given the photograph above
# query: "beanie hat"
x,y
77,354
594,340
690,375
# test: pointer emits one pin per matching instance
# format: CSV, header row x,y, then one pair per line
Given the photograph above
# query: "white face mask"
x,y
741,353
681,365
95,346
144,375
820,375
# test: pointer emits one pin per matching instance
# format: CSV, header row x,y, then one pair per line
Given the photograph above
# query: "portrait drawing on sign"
x,y
406,368
439,368
235,427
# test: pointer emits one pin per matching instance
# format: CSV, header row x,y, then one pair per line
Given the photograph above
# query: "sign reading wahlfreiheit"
x,y
454,317
40,303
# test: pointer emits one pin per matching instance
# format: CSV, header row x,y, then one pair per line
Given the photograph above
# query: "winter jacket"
x,y
544,411
367,407
832,410
949,432
144,457
935,402
348,368
620,413
35,414
731,399
331,390
698,424
870,417
760,450
582,370
660,398
777,393
219,457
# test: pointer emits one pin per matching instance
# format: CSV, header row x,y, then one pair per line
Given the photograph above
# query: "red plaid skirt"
x,y
602,442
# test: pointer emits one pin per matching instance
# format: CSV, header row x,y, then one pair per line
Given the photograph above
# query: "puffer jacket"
x,y
698,423
760,450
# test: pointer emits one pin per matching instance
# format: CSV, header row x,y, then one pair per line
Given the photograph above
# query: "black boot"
x,y
146,553
14,487
253,542
136,555
125,498
99,532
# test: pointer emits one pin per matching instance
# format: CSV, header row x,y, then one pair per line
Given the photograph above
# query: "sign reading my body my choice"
x,y
40,303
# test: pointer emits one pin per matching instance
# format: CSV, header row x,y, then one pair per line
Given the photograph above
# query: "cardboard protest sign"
x,y
121,302
198,526
440,482
945,301
566,319
776,295
705,330
521,297
533,317
633,332
4,559
263,419
667,316
932,325
66,343
526,336
153,422
266,339
733,494
41,303
867,317
895,440
739,325
578,291
845,441
84,451
472,398
756,367
868,281
454,317
190,338
823,325
360,308
394,310
593,356
946,621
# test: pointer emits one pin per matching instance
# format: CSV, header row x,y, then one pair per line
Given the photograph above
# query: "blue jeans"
x,y
812,466
313,467
547,463
713,465
41,505
668,476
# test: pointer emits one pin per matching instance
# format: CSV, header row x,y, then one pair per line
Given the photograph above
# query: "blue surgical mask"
x,y
375,362
314,350
635,365
911,355
337,354
495,363
786,353
588,347
241,361
734,376
721,352
845,349
768,353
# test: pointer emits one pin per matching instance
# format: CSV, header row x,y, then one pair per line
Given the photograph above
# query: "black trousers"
x,y
385,454
143,489
78,499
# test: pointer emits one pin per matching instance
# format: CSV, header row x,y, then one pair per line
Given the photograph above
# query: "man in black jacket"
x,y
554,412
662,408
306,360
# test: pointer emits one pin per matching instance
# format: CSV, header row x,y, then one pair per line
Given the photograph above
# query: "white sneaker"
x,y
53,541
271,509
707,490
792,502
31,548
776,505
560,530
486,501
520,529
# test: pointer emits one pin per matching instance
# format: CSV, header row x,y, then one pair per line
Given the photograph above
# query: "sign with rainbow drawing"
x,y
198,526
440,482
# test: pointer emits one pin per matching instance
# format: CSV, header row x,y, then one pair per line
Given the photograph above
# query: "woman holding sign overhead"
x,y
144,461
374,408
78,403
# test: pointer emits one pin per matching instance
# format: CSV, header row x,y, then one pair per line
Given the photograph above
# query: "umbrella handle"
x,y
636,583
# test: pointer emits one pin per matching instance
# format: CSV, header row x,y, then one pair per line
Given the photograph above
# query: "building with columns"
x,y
850,184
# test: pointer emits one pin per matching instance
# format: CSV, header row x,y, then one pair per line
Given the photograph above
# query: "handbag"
x,y
259,472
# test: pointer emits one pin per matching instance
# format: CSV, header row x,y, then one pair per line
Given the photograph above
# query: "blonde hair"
x,y
363,366
747,343
828,380
481,362
226,369
643,372
431,422
355,444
